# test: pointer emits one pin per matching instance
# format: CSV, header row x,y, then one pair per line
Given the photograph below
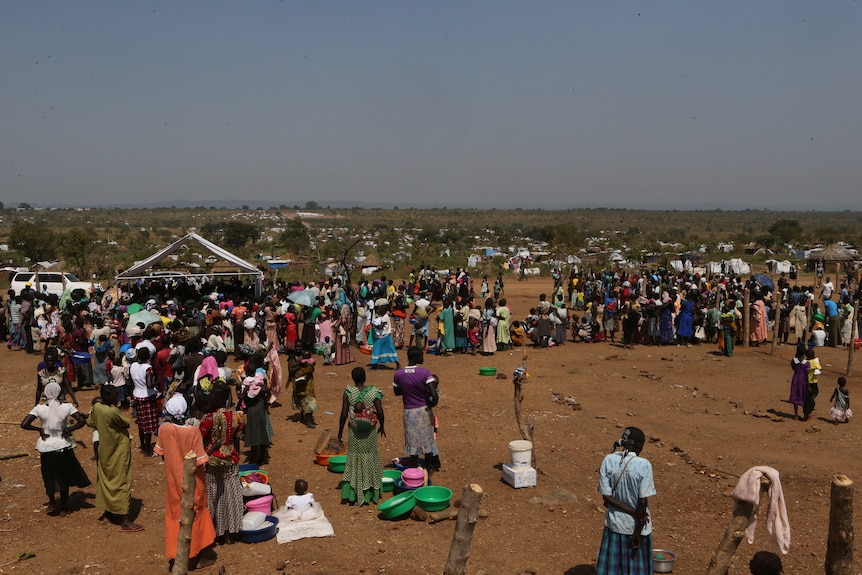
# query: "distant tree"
x,y
294,238
827,235
237,234
312,205
24,206
1,207
33,241
786,230
77,248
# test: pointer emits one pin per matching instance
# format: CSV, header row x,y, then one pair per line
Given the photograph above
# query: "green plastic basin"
x,y
433,497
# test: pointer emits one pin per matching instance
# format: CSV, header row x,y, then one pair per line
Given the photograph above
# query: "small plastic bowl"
x,y
487,371
323,458
397,506
259,535
433,497
387,484
337,463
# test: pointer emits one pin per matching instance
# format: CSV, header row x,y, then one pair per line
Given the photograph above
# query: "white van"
x,y
54,282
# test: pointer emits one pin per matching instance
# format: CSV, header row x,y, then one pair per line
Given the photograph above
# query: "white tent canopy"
x,y
138,271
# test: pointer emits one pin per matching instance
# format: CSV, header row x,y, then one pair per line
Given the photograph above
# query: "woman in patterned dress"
x,y
363,473
222,429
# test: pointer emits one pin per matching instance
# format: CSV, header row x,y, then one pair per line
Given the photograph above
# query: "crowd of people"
x,y
161,350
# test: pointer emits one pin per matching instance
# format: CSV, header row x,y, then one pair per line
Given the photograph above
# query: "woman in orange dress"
x,y
176,439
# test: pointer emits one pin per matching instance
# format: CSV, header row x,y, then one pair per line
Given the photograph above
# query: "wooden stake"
x,y
742,514
187,504
525,426
775,326
13,454
839,546
468,515
853,331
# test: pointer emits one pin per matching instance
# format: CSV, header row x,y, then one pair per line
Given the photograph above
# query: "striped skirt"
x,y
616,556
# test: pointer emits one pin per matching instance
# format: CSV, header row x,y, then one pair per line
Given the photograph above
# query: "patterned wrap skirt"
x,y
147,415
224,498
616,556
419,431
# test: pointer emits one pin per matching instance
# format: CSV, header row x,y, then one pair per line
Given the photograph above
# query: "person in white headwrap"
x,y
60,468
175,440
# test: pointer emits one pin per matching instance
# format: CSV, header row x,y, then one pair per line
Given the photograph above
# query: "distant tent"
x,y
243,268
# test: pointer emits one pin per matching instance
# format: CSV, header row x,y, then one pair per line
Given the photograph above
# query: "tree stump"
x,y
187,504
468,515
839,546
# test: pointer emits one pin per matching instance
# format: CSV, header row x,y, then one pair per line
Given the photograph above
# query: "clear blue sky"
x,y
538,104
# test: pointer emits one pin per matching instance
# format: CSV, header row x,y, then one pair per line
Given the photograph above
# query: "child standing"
x,y
841,402
812,390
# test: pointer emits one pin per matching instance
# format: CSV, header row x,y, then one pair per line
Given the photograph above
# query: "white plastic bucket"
x,y
521,452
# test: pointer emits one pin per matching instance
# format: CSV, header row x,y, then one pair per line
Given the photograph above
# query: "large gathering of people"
x,y
159,353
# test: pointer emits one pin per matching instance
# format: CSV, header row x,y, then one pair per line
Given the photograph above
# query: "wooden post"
x,y
468,515
839,546
776,326
525,426
742,514
746,316
853,330
187,504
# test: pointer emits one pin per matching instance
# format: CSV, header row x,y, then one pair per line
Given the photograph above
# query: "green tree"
x,y
237,234
294,238
786,230
33,241
312,205
77,246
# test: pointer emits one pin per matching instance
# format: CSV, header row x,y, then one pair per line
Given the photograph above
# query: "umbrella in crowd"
x,y
764,281
145,317
303,297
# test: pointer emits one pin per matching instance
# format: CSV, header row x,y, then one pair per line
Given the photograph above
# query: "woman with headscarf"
x,y
114,464
626,483
222,429
363,473
758,329
176,439
60,468
291,327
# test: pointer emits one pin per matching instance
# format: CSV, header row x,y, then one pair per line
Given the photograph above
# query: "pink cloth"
x,y
255,383
748,490
209,367
274,374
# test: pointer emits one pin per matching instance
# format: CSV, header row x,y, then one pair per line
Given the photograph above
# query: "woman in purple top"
x,y
416,385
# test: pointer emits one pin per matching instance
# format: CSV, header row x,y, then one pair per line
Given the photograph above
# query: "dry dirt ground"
x,y
694,404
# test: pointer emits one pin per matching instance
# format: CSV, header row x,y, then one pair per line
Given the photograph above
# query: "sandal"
x,y
131,528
